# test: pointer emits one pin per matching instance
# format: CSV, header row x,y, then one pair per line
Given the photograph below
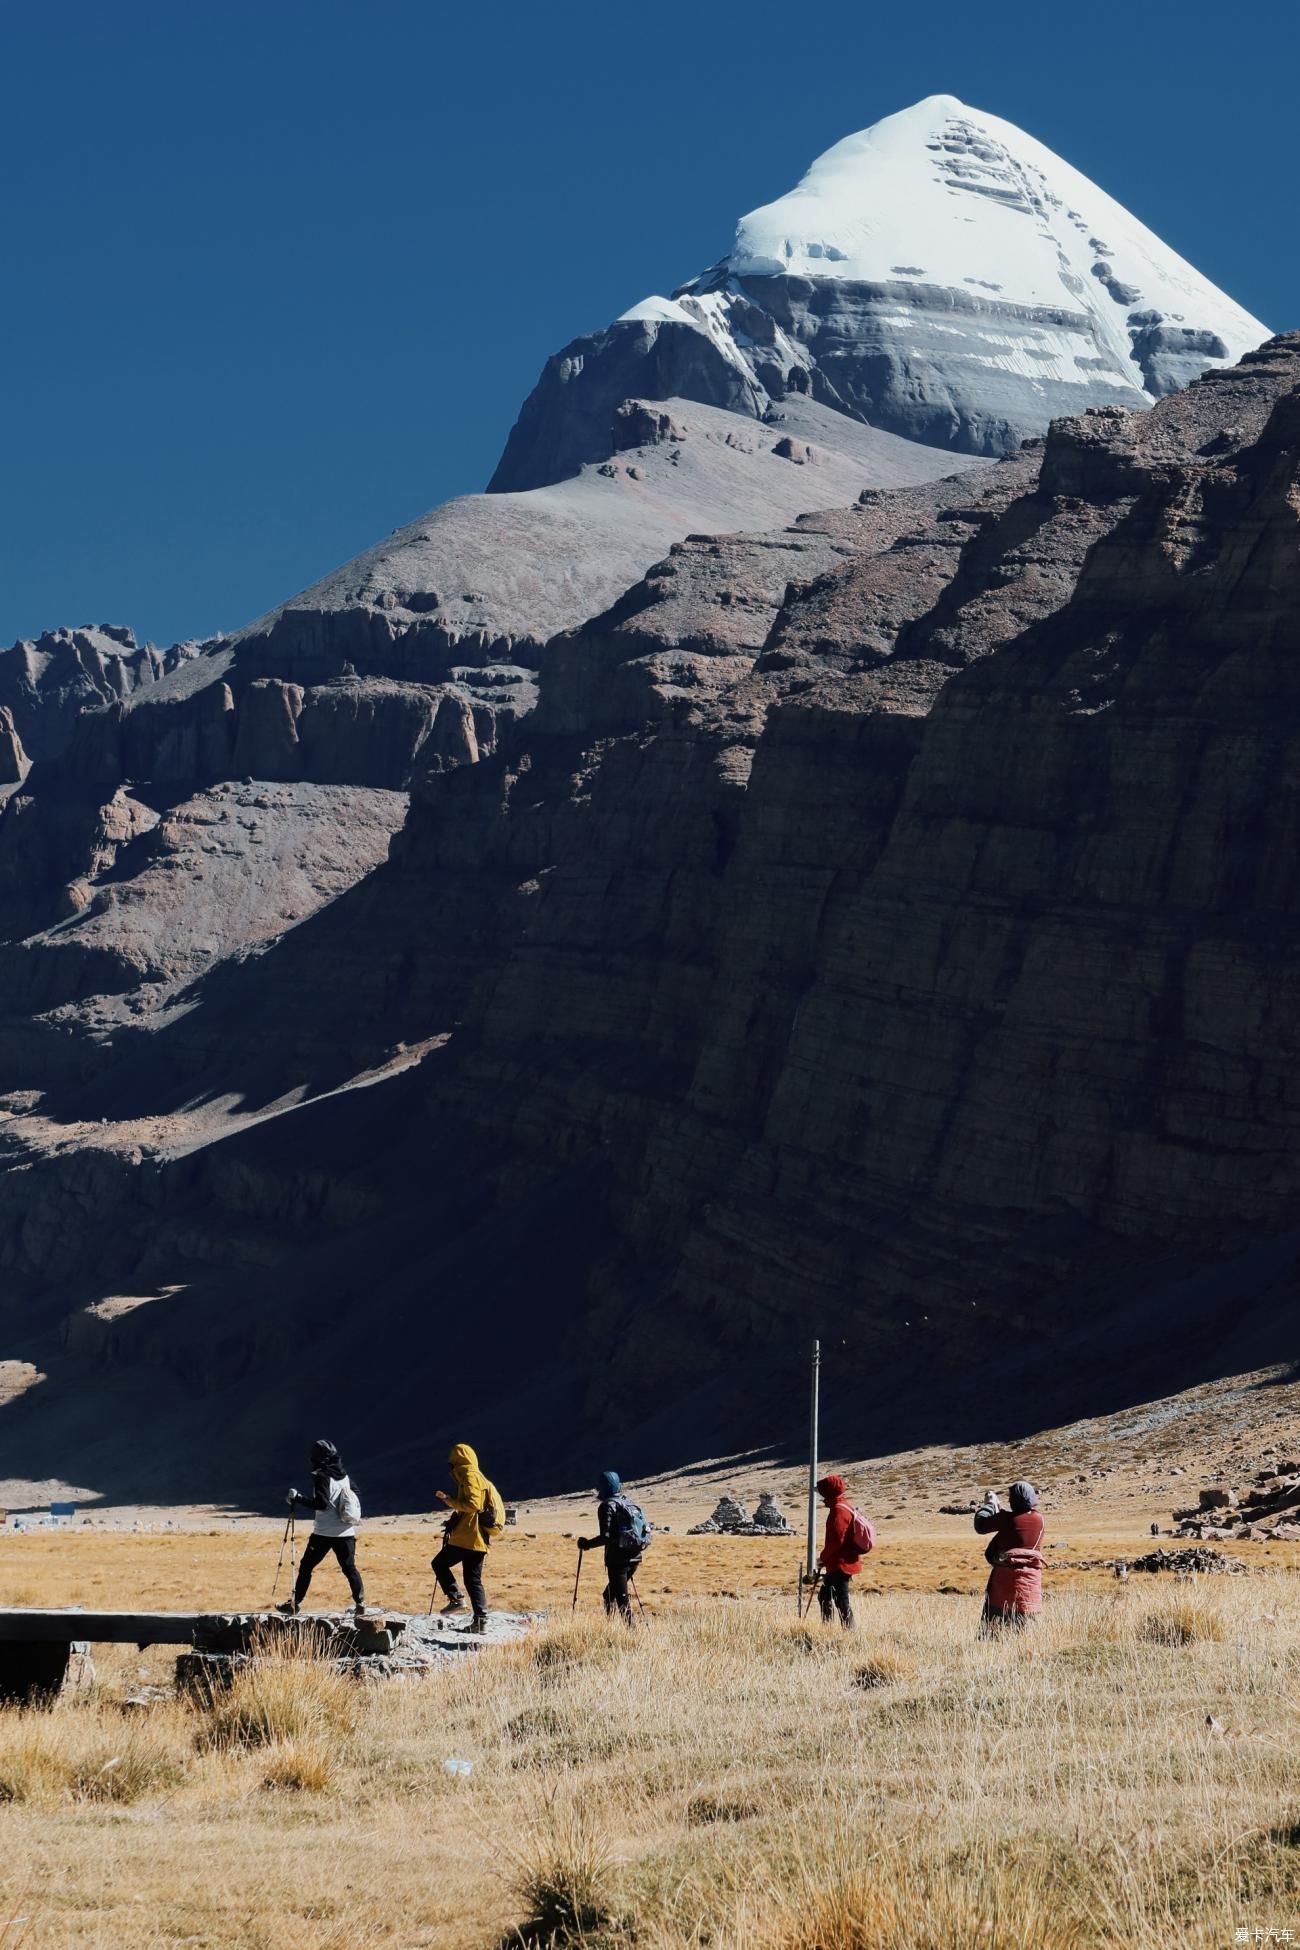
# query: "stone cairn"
x,y
729,1520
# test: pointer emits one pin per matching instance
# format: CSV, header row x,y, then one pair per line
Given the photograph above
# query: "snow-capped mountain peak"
x,y
941,275
945,195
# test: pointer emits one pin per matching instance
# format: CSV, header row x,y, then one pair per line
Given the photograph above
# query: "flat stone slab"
x,y
32,1625
35,1642
377,1630
36,1625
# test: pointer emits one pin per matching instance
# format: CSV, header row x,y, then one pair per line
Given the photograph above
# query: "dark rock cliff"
x,y
945,956
885,927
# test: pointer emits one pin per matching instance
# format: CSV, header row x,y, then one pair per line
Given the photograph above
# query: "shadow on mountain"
x,y
443,1311
326,999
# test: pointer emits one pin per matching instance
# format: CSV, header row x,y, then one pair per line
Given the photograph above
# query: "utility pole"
x,y
811,1566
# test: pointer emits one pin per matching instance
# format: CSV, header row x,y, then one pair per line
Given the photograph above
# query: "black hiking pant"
x,y
833,1594
471,1562
619,1567
316,1548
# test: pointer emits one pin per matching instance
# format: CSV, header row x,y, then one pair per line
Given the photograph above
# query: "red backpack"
x,y
860,1537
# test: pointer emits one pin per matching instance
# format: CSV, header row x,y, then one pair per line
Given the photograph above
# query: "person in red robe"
x,y
1015,1553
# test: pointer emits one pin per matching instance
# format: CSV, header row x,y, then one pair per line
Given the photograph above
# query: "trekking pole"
x,y
279,1563
433,1595
577,1574
637,1595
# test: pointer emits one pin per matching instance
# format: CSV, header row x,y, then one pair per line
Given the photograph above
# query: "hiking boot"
x,y
453,1604
477,1625
289,1609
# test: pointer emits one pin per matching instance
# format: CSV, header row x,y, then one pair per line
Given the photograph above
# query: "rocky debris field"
x,y
1269,1507
1189,1563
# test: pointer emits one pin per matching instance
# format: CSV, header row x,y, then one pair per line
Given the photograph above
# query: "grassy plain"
x,y
230,1567
1129,1773
721,1779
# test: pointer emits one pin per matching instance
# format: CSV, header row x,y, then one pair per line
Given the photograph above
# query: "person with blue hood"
x,y
625,1534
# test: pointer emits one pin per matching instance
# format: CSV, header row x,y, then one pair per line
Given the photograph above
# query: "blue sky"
x,y
278,275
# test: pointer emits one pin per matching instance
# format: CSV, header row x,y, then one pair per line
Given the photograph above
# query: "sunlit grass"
x,y
724,1776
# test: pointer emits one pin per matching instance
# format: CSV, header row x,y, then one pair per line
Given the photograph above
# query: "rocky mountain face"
x,y
901,948
412,657
46,684
762,874
941,275
796,372
925,1007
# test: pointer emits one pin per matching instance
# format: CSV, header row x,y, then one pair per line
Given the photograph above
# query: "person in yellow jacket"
x,y
478,1514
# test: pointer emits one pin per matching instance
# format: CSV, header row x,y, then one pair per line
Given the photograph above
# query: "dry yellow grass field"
x,y
722,1778
1129,1773
232,1566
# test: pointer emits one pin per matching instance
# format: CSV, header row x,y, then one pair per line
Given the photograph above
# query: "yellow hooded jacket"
x,y
473,1493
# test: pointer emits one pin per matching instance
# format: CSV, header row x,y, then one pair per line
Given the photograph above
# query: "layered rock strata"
x,y
883,927
976,976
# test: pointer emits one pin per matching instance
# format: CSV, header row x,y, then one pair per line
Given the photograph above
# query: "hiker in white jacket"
x,y
338,1512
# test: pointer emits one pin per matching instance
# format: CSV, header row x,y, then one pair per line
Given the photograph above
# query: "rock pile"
x,y
1270,1509
431,1641
1187,1561
387,1646
728,1515
768,1516
729,1519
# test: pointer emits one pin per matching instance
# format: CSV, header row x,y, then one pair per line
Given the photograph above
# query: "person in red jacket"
x,y
1015,1588
840,1559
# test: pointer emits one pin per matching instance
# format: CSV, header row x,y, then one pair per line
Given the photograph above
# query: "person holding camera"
x,y
1014,1596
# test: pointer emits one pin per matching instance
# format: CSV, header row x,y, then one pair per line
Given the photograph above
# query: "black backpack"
x,y
493,1514
629,1530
